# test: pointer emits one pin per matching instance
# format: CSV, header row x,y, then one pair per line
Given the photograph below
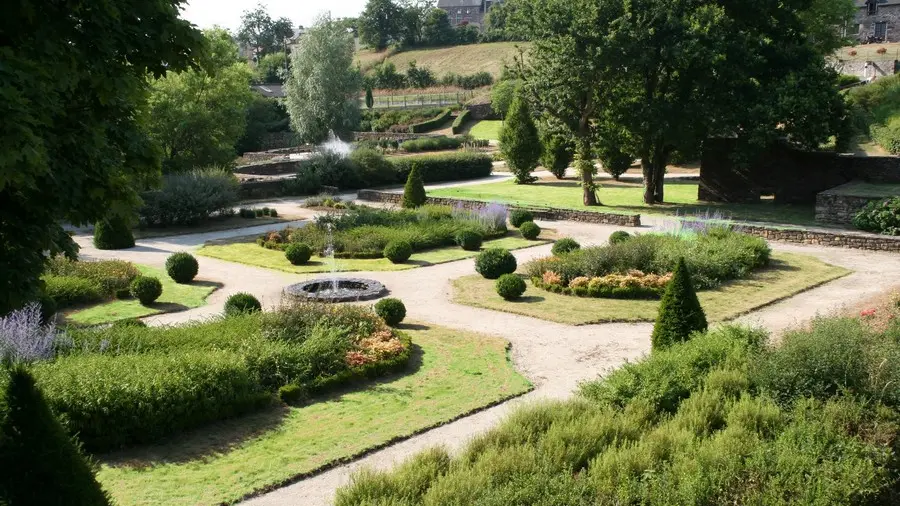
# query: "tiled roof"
x,y
459,3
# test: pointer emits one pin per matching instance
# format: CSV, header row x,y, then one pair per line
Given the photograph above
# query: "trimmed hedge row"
x,y
445,167
605,292
431,124
460,121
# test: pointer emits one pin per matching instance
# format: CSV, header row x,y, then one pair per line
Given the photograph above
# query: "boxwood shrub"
x,y
530,230
495,262
519,216
398,251
469,240
182,267
242,303
564,245
510,286
146,289
391,310
113,233
297,253
619,236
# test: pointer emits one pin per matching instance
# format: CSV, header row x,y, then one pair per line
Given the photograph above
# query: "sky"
x,y
227,13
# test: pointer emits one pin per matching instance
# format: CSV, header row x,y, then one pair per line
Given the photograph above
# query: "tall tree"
x,y
262,34
197,116
412,19
519,141
436,29
379,23
72,149
323,85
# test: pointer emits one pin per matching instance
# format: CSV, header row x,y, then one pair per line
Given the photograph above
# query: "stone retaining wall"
x,y
835,208
544,213
270,168
855,240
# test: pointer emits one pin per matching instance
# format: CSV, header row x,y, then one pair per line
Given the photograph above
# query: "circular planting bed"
x,y
337,290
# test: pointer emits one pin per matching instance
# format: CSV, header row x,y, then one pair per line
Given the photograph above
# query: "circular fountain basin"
x,y
347,290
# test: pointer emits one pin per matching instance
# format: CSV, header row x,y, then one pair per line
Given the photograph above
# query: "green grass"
x,y
863,189
464,60
251,254
175,297
681,199
487,129
788,275
224,462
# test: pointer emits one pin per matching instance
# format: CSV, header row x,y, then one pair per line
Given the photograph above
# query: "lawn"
x,y
487,130
223,463
464,60
681,199
788,275
175,297
252,254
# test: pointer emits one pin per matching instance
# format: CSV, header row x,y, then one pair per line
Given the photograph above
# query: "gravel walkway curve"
x,y
555,357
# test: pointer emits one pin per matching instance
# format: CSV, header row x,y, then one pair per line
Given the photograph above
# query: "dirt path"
x,y
553,356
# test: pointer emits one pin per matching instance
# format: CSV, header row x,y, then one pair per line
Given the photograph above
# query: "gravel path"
x,y
553,356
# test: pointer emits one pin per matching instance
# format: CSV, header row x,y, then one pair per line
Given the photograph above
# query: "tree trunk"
x,y
649,180
585,166
659,167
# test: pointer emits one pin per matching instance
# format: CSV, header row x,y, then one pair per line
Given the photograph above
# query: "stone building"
x,y
876,20
470,12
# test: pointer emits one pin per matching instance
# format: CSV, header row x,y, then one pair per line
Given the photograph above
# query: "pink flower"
x,y
867,312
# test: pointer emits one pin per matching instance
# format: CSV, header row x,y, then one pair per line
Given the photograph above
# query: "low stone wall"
x,y
479,112
840,209
270,168
544,213
855,240
393,136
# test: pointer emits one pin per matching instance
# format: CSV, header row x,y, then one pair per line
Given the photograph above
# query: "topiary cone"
x,y
414,191
680,313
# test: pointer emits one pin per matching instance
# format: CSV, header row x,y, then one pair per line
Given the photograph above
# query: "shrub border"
x,y
460,121
629,293
431,124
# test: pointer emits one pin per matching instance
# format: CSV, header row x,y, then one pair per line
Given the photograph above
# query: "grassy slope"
x,y
224,462
681,198
867,52
467,59
789,274
251,254
486,129
174,297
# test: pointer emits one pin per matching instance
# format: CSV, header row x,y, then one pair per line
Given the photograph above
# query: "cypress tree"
x,y
520,142
680,313
370,100
41,463
414,191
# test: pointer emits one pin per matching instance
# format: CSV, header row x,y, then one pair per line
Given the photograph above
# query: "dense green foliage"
x,y
619,236
41,463
395,120
445,167
398,252
263,116
502,96
262,34
510,286
146,289
68,291
113,232
322,90
713,256
693,424
242,303
614,161
379,23
391,310
495,262
69,282
182,267
460,122
469,240
876,111
414,191
72,144
431,144
297,253
189,197
680,313
519,141
564,245
431,123
519,216
558,153
530,230
882,217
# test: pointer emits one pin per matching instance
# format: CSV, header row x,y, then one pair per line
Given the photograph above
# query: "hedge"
x,y
445,167
431,124
460,121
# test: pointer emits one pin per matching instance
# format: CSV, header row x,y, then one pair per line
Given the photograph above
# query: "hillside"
x,y
466,59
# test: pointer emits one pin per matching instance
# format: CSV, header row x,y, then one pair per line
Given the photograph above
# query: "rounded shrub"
x,y
297,253
128,323
146,289
495,262
113,233
469,240
182,267
510,286
519,216
619,236
292,393
530,230
241,303
397,251
391,310
565,245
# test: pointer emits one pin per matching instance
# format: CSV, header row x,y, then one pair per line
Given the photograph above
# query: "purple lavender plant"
x,y
493,216
24,338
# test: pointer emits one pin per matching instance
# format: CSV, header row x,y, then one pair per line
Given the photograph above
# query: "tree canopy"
x,y
262,34
323,85
380,23
72,149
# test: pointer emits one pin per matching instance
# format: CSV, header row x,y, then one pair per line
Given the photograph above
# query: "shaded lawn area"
x,y
224,462
487,130
252,254
681,199
212,225
175,297
788,275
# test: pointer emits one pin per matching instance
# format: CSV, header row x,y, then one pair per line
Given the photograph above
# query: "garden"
x,y
368,239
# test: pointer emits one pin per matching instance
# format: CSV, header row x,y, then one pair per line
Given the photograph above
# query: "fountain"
x,y
333,144
332,288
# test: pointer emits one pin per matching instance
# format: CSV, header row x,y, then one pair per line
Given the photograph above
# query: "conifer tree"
x,y
414,191
370,100
680,313
520,142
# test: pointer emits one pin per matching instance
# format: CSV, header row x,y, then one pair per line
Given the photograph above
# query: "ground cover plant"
x,y
720,419
882,217
639,267
276,445
787,275
395,120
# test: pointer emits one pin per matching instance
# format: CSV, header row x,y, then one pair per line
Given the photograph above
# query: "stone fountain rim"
x,y
374,289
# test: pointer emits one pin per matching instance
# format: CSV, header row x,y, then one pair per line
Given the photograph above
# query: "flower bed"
x,y
641,266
